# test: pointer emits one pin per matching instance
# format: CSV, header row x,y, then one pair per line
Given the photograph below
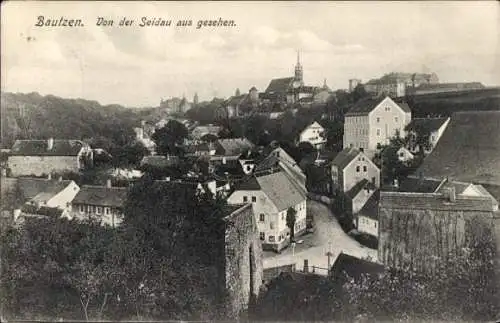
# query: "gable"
x,y
387,102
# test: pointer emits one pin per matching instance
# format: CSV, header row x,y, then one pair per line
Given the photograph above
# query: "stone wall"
x,y
41,165
419,238
243,261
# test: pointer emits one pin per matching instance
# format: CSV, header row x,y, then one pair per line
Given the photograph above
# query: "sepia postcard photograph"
x,y
250,161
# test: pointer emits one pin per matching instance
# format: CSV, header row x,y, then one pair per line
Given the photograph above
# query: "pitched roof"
x,y
234,146
419,185
434,201
468,150
101,195
370,209
355,267
31,187
280,85
428,124
281,190
365,106
358,187
344,157
278,157
460,85
60,147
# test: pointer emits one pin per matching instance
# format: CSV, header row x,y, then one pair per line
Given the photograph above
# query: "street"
x,y
328,236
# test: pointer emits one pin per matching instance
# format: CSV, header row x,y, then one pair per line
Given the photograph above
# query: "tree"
x,y
290,222
419,137
169,139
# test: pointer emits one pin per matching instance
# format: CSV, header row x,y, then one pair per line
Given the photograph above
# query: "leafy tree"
x,y
169,139
290,222
386,158
419,137
359,93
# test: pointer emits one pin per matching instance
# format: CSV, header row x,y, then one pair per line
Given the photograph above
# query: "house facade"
x,y
374,121
271,196
313,134
42,157
350,167
101,203
397,84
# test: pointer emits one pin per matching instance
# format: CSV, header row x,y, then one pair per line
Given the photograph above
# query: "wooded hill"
x,y
33,116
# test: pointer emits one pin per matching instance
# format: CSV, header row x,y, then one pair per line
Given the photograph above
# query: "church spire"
x,y
299,73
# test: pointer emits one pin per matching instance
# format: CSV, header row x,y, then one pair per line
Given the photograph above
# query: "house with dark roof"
x,y
42,157
271,195
434,127
101,203
419,230
373,121
365,220
232,146
468,151
350,167
347,267
201,131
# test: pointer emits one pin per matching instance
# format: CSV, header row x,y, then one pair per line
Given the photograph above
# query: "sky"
x,y
137,66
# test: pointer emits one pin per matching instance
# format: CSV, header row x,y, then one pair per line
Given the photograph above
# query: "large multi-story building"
x,y
374,121
396,84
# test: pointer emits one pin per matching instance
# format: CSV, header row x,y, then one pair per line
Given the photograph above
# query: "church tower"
x,y
299,73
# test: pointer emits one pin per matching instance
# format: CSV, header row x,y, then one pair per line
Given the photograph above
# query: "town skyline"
x,y
138,66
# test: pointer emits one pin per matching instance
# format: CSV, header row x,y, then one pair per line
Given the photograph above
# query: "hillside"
x,y
32,116
445,104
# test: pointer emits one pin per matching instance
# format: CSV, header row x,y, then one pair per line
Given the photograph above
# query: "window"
x,y
271,225
262,236
89,208
378,132
271,238
262,217
82,208
373,180
279,238
396,119
378,119
107,210
99,210
245,199
357,169
401,154
254,199
375,224
364,169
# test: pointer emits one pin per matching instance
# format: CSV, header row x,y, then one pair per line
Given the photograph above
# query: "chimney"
x,y
452,194
50,143
306,266
108,183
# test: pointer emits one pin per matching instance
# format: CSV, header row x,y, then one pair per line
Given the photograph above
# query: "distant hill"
x,y
445,104
33,116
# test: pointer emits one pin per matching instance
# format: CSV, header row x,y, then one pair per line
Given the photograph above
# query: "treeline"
x,y
162,263
32,116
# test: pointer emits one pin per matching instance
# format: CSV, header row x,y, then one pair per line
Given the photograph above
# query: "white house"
x,y
366,220
351,166
374,121
271,195
313,134
42,196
